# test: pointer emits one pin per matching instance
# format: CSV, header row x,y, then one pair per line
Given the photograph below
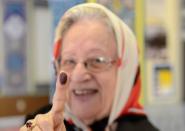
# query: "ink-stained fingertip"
x,y
63,78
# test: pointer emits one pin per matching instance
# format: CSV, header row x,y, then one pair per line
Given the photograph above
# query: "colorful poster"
x,y
163,81
14,44
163,73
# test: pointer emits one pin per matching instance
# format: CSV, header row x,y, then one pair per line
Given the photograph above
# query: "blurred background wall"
x,y
26,42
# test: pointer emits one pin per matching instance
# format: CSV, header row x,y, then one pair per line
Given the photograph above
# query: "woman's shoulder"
x,y
135,123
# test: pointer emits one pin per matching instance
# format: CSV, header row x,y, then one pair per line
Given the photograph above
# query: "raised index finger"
x,y
60,95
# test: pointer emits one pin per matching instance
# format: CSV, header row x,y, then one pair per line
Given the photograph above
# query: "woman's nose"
x,y
80,73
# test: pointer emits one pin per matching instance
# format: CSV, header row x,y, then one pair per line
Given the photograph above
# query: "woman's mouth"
x,y
84,92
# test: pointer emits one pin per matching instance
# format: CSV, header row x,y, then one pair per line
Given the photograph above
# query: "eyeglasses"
x,y
97,64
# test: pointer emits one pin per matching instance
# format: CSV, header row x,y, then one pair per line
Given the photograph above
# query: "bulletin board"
x,y
162,52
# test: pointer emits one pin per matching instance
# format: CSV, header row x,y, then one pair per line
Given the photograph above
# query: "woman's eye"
x,y
100,60
68,62
97,62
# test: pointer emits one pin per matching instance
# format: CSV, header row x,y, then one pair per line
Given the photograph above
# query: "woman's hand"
x,y
53,120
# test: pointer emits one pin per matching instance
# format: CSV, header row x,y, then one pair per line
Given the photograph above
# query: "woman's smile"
x,y
84,94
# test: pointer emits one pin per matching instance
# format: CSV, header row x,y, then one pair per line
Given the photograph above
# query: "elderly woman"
x,y
98,76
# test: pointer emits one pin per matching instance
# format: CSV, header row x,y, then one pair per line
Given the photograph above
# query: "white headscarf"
x,y
129,64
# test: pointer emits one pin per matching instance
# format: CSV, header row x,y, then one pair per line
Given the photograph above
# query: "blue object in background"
x,y
58,7
15,47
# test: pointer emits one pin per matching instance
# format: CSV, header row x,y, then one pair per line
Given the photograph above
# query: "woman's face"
x,y
90,93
